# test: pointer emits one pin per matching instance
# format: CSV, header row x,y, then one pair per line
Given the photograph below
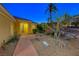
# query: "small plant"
x,y
34,31
3,45
47,33
52,33
40,29
12,39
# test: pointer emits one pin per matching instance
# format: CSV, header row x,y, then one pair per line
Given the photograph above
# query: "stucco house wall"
x,y
33,26
20,21
6,25
10,25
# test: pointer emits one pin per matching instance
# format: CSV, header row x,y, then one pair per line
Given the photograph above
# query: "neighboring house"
x,y
75,21
6,25
9,25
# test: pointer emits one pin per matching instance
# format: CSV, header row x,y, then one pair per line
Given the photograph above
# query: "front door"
x,y
24,28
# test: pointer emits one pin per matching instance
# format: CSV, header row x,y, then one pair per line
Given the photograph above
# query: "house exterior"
x,y
9,26
24,26
6,25
75,21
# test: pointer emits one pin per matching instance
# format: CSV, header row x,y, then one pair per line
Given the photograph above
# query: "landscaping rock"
x,y
45,44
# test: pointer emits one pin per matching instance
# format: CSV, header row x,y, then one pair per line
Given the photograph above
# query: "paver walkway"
x,y
25,47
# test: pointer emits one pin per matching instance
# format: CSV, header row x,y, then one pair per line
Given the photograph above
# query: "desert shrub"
x,y
47,33
40,29
34,31
52,33
12,39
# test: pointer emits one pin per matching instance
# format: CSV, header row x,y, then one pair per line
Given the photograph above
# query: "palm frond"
x,y
51,8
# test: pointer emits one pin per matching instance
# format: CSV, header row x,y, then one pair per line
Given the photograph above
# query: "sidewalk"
x,y
25,48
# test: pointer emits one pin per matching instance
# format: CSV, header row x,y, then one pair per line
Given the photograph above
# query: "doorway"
x,y
24,28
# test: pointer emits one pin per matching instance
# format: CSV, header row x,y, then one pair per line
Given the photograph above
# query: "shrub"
x,y
34,31
40,29
12,39
52,33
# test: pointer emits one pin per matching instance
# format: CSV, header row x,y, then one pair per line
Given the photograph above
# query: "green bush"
x,y
40,29
34,31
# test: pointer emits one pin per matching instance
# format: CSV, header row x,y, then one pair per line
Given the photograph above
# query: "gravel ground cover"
x,y
55,47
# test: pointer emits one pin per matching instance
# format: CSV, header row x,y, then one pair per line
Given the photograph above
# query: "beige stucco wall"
x,y
6,25
5,29
18,25
31,26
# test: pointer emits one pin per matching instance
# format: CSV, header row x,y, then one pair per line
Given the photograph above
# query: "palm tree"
x,y
51,8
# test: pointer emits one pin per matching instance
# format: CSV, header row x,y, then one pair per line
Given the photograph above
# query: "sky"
x,y
37,11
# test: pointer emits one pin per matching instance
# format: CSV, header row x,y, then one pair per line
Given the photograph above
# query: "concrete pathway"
x,y
25,47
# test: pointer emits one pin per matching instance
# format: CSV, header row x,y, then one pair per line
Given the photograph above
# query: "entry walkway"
x,y
25,47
